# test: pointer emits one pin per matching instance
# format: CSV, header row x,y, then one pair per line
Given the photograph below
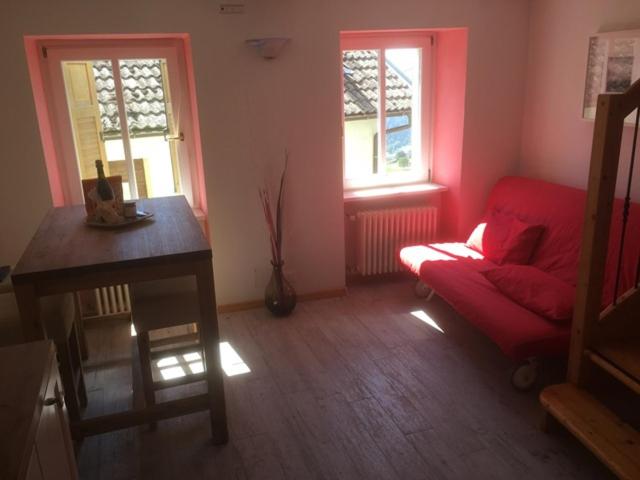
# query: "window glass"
x,y
110,135
383,133
144,93
360,68
150,166
402,79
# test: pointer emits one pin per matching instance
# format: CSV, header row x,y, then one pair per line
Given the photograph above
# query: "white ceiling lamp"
x,y
268,48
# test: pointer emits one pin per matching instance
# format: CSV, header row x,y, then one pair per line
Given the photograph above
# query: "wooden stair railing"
x,y
606,339
623,370
611,112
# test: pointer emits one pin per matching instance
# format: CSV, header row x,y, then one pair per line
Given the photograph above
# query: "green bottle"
x,y
103,188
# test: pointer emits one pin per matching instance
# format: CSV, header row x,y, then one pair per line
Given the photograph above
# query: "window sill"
x,y
397,191
199,214
201,217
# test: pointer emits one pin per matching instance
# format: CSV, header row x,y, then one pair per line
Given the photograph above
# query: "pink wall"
x,y
556,141
43,114
451,77
251,109
493,113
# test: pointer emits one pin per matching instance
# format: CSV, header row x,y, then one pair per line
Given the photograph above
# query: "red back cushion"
x,y
505,239
540,292
561,210
522,242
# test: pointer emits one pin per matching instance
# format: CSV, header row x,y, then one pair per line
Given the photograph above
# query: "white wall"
x,y
556,141
251,109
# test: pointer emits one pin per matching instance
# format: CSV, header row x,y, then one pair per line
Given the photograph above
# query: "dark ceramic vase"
x,y
279,295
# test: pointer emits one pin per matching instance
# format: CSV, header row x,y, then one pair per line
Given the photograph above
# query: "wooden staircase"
x,y
620,359
608,340
614,442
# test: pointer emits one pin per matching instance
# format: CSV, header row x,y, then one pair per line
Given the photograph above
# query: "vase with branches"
x,y
279,296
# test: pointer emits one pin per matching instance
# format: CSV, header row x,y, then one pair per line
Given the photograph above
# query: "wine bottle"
x,y
103,188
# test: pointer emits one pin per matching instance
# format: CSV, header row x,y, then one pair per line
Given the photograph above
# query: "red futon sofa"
x,y
515,277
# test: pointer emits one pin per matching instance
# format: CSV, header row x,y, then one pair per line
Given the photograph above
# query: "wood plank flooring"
x,y
348,388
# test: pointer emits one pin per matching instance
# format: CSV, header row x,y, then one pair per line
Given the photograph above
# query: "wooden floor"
x,y
355,387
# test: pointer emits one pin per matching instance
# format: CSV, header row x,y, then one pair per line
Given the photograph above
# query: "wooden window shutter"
x,y
85,117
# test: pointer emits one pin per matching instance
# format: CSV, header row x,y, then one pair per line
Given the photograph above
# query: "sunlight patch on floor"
x,y
191,357
191,363
167,361
424,317
232,364
196,367
172,372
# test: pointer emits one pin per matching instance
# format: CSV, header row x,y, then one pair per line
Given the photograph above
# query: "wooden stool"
x,y
59,316
164,305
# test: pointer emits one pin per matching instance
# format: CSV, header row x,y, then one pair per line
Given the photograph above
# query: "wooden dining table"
x,y
66,255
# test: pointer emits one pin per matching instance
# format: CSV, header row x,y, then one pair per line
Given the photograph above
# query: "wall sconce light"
x,y
268,48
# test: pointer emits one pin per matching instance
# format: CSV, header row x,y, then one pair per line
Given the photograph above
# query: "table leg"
x,y
29,308
211,346
82,339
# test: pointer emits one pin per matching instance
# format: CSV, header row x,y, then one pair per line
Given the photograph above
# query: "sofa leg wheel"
x,y
422,290
525,376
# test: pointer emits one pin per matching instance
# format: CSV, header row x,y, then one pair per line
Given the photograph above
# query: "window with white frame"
x,y
386,138
125,102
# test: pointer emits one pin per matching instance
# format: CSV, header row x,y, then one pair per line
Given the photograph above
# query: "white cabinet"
x,y
37,444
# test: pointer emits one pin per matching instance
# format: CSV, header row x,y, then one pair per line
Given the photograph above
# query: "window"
x,y
127,103
386,138
141,154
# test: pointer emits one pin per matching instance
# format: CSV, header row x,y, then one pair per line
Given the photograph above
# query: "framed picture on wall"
x,y
613,65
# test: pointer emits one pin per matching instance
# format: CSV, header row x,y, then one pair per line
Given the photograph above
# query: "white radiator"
x,y
112,300
382,233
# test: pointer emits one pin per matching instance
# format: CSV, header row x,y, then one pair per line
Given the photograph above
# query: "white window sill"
x,y
199,214
201,217
396,191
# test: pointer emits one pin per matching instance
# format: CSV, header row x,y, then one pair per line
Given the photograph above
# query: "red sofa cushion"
x,y
503,238
560,210
521,243
535,290
519,332
415,256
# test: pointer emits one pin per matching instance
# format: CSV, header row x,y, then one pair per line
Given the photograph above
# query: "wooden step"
x,y
614,442
614,370
624,354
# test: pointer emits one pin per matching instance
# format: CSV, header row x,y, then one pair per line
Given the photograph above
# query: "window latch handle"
x,y
168,138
